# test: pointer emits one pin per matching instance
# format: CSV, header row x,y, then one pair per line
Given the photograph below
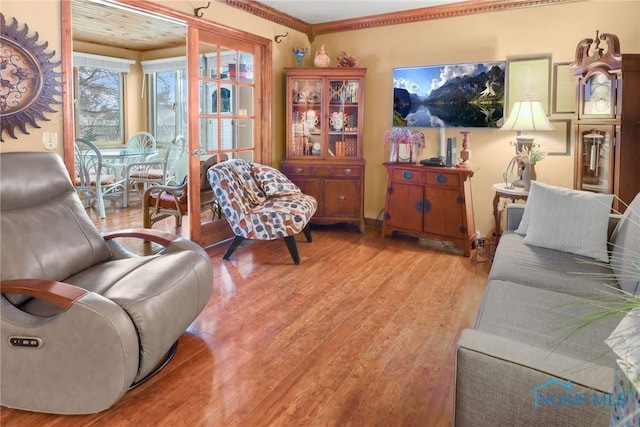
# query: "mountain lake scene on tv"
x,y
454,95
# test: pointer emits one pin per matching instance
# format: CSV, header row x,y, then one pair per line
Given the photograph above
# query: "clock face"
x,y
597,95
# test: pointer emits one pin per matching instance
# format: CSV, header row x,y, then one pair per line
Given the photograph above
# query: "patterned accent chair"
x,y
261,203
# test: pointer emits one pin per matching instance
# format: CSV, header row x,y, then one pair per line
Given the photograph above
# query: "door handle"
x,y
198,153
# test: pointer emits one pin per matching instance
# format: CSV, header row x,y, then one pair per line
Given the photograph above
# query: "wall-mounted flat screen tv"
x,y
454,95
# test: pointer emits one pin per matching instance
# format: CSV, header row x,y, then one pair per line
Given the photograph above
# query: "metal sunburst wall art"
x,y
28,82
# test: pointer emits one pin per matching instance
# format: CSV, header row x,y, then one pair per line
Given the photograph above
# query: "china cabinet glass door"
x,y
307,120
324,118
343,118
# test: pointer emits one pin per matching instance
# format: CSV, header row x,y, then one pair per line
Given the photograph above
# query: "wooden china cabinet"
x,y
325,116
607,125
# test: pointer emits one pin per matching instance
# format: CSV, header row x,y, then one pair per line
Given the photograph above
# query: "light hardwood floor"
x,y
361,333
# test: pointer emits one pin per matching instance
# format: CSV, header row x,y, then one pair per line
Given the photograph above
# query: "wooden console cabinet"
x,y
325,116
432,202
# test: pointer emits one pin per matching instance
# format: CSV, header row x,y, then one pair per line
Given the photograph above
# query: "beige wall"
x,y
551,30
554,30
47,23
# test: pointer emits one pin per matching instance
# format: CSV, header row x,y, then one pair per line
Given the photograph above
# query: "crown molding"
x,y
430,13
270,14
404,17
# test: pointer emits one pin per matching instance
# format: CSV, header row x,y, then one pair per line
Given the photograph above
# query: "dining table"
x,y
117,158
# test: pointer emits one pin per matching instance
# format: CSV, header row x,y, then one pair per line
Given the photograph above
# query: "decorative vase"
x,y
299,52
528,175
322,60
465,154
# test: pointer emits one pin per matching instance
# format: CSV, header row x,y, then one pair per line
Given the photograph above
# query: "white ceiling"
x,y
321,11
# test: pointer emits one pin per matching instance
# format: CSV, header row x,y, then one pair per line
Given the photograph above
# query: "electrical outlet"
x,y
50,140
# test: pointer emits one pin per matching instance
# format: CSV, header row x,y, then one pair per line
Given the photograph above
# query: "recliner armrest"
x,y
156,236
60,294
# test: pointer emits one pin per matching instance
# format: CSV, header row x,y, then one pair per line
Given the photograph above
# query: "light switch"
x,y
50,140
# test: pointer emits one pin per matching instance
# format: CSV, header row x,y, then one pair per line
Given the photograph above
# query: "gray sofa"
x,y
513,367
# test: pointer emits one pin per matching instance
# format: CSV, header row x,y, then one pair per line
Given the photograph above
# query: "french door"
x,y
228,101
226,115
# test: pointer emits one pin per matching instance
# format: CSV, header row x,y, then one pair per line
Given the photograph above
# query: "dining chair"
x,y
96,180
142,141
160,171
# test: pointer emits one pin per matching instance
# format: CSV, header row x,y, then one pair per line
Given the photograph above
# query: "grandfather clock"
x,y
607,127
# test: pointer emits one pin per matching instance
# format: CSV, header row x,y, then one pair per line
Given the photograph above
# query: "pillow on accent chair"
x,y
272,181
567,220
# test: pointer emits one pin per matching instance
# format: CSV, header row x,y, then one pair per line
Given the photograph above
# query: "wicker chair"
x,y
96,180
157,171
163,201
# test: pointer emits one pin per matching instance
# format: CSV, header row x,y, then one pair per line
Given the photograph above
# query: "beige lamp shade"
x,y
527,116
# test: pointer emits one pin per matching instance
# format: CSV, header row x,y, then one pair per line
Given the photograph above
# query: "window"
x,y
99,105
99,83
167,88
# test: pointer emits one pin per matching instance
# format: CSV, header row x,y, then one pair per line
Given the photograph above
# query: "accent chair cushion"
x,y
273,182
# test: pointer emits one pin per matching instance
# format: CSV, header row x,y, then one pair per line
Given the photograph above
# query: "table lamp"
x,y
527,115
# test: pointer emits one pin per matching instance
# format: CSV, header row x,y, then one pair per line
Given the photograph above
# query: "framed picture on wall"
x,y
528,78
449,95
558,141
564,89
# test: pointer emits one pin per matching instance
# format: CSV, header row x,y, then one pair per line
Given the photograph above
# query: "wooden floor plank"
x,y
362,332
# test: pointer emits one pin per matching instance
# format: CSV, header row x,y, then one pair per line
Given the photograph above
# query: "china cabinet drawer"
x,y
295,169
350,170
323,170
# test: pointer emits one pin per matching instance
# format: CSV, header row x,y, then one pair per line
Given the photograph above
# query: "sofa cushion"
x,y
625,257
567,220
550,321
498,380
549,269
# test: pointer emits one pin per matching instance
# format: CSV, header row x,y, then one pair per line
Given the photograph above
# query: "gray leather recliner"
x,y
82,319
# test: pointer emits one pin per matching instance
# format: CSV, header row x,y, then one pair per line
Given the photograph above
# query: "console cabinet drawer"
x,y
401,174
443,179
